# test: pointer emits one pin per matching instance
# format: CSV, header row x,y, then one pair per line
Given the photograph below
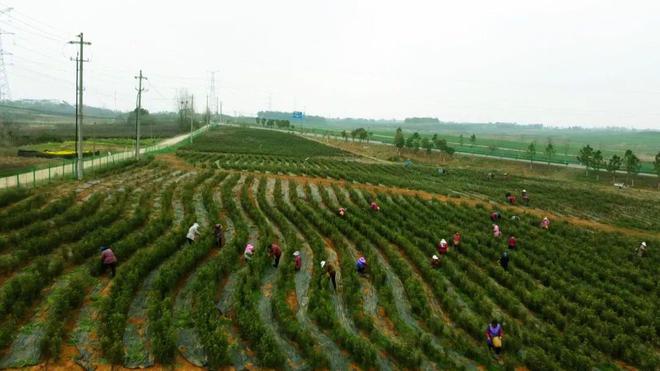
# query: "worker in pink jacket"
x,y
108,260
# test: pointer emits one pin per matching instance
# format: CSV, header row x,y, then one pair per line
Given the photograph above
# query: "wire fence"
x,y
68,168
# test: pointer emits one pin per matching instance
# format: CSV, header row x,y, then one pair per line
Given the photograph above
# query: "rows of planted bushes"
x,y
515,292
583,200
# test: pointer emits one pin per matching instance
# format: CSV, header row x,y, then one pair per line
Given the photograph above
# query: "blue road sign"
x,y
297,115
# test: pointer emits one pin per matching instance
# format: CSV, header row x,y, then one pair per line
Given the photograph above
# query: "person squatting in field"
x,y
456,241
495,216
545,223
248,253
361,265
275,251
435,262
525,197
297,260
511,242
342,211
218,235
193,232
494,337
330,270
497,232
108,260
374,206
504,261
443,247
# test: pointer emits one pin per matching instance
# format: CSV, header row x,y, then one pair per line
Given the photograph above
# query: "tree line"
x,y
281,124
416,141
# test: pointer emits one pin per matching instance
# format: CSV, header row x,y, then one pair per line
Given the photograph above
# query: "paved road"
x,y
68,169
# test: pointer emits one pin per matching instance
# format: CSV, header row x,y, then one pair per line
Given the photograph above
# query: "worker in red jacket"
x,y
456,241
275,251
108,260
443,247
512,242
297,260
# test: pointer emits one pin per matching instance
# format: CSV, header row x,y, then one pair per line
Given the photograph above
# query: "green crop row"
x,y
405,348
159,303
114,307
211,328
285,284
35,230
320,301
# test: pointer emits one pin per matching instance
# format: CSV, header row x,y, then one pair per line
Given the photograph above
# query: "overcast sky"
x,y
592,63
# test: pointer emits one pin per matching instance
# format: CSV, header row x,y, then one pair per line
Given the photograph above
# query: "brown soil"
x,y
175,162
292,301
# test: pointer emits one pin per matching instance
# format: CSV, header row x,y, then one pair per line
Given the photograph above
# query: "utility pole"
x,y
208,112
79,111
220,103
192,115
137,114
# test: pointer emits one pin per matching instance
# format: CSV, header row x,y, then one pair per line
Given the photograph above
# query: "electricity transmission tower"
x,y
4,81
79,103
213,96
137,114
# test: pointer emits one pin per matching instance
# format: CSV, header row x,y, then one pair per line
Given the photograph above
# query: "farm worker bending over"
x,y
374,206
494,336
249,252
193,232
512,242
641,250
545,223
504,261
297,260
511,199
362,265
496,231
443,247
218,235
495,216
330,270
435,262
457,239
275,251
525,197
342,211
108,260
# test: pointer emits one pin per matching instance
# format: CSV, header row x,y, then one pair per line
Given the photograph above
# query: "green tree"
x,y
531,151
550,151
461,140
492,148
631,163
473,139
353,135
399,140
362,134
597,162
427,145
585,157
344,135
613,165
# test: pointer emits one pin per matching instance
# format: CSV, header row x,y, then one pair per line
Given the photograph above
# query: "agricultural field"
x,y
575,296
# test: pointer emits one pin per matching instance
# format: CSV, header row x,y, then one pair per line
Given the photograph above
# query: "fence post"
x,y
48,174
34,177
18,181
